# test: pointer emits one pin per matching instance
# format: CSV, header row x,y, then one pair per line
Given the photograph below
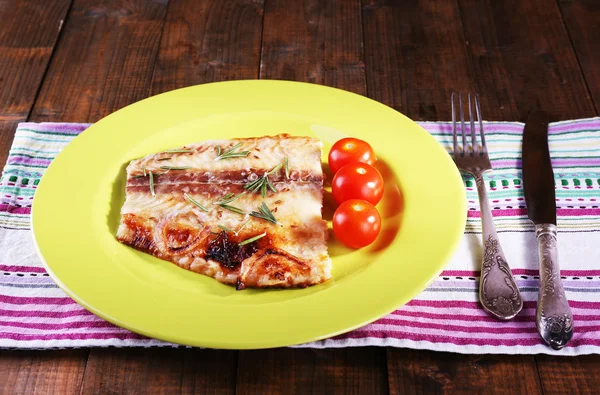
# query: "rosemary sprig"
x,y
195,203
178,151
252,239
175,167
262,183
152,184
230,153
287,167
264,213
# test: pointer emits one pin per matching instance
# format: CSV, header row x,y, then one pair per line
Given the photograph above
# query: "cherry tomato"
x,y
357,181
348,150
356,223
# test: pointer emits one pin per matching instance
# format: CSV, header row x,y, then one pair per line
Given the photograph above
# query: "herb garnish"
x,y
225,200
175,167
230,153
152,184
167,158
195,203
179,151
287,167
263,182
264,213
252,239
236,232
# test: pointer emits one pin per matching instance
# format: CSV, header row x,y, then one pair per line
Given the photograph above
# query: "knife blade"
x,y
554,319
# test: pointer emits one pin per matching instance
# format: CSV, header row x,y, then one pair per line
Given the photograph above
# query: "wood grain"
x,y
522,59
415,55
42,372
104,60
28,34
208,41
568,375
423,372
581,19
314,41
301,371
160,371
27,37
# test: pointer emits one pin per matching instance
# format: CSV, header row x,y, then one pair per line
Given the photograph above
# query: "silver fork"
x,y
498,292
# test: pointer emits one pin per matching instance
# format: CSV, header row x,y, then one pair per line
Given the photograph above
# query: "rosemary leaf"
x,y
179,151
265,213
242,227
138,176
144,170
175,167
152,184
226,229
195,203
230,153
287,167
158,160
232,208
273,170
230,197
252,239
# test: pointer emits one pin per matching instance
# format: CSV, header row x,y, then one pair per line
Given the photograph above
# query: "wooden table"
x,y
80,60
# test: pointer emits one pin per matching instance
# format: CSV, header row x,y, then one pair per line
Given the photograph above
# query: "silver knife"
x,y
554,319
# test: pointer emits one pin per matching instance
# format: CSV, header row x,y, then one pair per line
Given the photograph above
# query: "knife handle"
x,y
554,319
498,291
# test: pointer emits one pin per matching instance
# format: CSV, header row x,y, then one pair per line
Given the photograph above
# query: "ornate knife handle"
x,y
498,291
554,319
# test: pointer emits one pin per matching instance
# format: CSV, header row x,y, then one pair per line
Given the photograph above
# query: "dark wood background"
x,y
80,60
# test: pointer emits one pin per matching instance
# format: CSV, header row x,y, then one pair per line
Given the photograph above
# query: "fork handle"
x,y
498,291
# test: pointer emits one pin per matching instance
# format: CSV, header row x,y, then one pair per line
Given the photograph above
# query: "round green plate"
x,y
76,214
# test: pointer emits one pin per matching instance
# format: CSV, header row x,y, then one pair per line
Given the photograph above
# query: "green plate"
x,y
76,214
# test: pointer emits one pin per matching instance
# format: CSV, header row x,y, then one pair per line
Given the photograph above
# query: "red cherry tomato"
x,y
348,150
357,181
356,223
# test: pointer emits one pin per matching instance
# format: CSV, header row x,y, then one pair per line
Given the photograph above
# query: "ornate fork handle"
x,y
553,316
498,291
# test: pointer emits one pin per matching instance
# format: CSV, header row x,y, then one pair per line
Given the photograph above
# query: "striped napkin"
x,y
35,313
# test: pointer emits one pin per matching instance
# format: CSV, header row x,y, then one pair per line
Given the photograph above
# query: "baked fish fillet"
x,y
193,206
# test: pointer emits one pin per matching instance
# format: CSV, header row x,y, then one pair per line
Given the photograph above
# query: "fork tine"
x,y
473,133
462,123
454,139
478,109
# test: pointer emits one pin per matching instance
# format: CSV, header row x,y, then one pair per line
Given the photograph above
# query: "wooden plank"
x,y
522,58
581,19
421,372
41,372
104,60
160,371
29,32
208,41
569,375
415,56
320,42
293,371
27,37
